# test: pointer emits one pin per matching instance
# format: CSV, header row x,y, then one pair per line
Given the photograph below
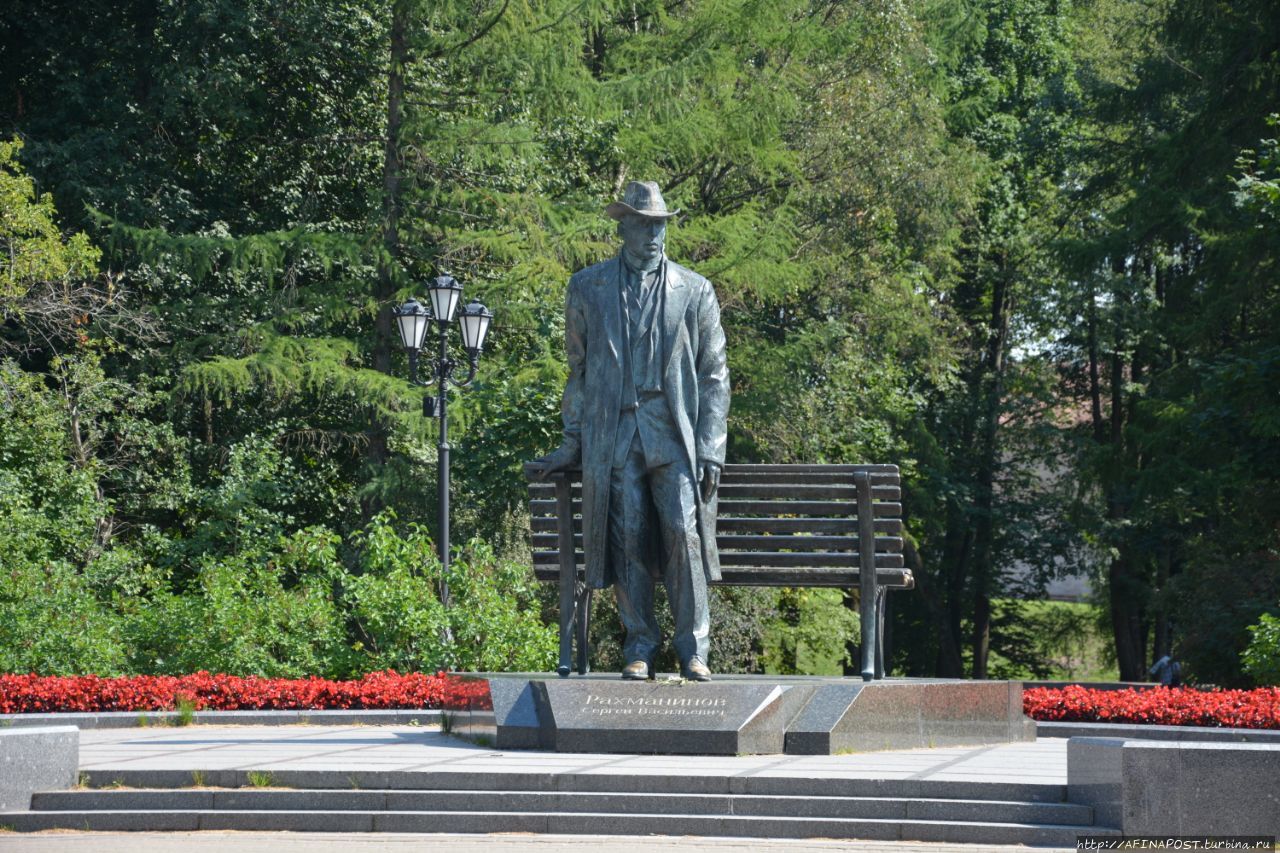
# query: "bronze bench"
x,y
779,525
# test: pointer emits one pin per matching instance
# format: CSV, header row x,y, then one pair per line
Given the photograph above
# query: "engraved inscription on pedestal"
x,y
658,717
748,715
650,706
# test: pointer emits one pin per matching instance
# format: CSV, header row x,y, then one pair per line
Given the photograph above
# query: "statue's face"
x,y
643,236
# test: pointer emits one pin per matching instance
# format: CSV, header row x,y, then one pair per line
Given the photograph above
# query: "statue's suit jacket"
x,y
695,383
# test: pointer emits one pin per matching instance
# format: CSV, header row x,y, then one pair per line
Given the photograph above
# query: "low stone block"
x,y
1149,787
908,713
36,759
1094,777
1201,788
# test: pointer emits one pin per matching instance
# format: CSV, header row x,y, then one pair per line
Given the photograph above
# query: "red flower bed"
x,y
88,693
1179,706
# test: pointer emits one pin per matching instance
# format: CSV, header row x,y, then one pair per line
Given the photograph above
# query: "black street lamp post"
x,y
413,319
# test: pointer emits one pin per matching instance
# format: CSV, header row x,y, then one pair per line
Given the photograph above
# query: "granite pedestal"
x,y
733,715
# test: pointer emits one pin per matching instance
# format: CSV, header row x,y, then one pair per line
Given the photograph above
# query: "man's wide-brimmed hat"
x,y
642,198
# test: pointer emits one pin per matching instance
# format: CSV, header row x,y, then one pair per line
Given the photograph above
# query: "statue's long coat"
x,y
695,381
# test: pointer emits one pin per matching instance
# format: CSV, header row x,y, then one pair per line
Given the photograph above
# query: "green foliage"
x,y
1258,188
233,583
812,633
1172,294
50,617
1262,657
1056,640
255,611
491,624
50,620
740,619
32,248
1024,249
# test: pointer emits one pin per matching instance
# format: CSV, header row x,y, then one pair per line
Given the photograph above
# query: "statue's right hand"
x,y
556,460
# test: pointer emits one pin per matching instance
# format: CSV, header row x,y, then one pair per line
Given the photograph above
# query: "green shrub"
x,y
51,622
492,624
1047,640
812,633
216,573
260,612
1261,660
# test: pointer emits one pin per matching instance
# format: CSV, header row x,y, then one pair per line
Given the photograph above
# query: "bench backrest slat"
x,y
778,525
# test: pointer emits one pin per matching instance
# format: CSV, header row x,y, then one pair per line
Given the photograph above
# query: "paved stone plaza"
x,y
166,756
408,748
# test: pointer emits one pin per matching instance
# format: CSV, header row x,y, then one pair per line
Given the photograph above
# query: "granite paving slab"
x,y
419,749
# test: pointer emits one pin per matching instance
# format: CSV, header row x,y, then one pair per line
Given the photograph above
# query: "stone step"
x,y
559,802
622,783
748,826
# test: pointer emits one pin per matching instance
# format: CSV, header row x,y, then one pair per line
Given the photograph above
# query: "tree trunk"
x,y
391,171
953,574
1126,593
948,664
955,562
992,387
384,283
1095,383
1126,619
1163,643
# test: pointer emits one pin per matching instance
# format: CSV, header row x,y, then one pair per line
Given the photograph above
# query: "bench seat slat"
x,y
787,470
840,578
773,491
777,559
881,509
739,524
729,541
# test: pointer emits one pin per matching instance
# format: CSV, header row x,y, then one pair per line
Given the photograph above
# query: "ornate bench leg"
x,y
583,628
568,574
566,624
866,573
882,599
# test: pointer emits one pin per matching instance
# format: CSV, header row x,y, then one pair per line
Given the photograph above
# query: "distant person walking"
x,y
1168,672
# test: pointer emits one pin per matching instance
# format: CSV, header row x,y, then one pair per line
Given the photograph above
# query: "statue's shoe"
x,y
695,670
637,670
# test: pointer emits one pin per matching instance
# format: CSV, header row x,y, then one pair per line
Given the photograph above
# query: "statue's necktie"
x,y
641,301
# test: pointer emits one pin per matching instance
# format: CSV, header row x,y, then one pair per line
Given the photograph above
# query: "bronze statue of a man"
x,y
644,414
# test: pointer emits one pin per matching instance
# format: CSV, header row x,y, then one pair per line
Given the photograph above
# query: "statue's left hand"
x,y
708,479
557,460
